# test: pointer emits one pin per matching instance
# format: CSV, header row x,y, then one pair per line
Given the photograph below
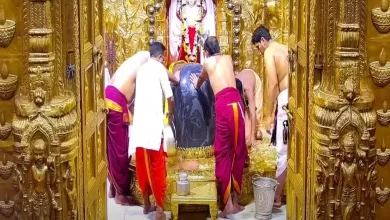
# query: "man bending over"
x,y
118,94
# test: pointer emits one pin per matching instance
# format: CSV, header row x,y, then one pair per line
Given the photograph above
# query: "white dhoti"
x,y
281,148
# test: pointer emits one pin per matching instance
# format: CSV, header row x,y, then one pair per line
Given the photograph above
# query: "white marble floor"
x,y
118,212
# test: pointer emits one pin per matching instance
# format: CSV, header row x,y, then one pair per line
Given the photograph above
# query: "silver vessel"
x,y
183,185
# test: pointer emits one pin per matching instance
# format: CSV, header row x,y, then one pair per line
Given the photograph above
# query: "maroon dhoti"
x,y
118,140
229,145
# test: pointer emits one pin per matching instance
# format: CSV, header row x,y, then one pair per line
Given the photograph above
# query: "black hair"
x,y
261,32
239,86
156,49
211,45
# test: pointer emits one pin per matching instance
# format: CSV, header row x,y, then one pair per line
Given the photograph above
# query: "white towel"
x,y
281,148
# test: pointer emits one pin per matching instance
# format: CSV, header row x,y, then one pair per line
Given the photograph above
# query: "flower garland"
x,y
191,54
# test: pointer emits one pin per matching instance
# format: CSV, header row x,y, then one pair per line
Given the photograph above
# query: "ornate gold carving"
x,y
5,128
383,115
43,173
345,122
381,17
383,154
195,153
382,194
151,10
7,29
44,125
71,193
7,206
235,12
8,83
129,33
380,70
320,192
6,168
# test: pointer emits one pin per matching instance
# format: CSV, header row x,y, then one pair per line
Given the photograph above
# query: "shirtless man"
x,y
118,94
229,145
276,67
253,100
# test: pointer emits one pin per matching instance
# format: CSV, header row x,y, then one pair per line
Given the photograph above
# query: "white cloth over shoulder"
x,y
148,119
129,67
133,62
281,148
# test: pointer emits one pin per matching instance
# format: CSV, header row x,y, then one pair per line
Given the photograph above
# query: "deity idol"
x,y
40,194
189,19
349,181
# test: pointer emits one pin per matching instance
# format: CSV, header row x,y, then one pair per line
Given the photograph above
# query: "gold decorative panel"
x,y
349,146
378,75
40,114
297,185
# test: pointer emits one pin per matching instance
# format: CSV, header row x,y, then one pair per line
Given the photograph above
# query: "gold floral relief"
x,y
130,33
96,8
86,4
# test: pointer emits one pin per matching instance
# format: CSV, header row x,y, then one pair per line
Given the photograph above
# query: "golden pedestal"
x,y
201,193
263,160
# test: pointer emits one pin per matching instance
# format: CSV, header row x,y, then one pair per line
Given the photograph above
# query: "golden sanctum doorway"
x,y
51,99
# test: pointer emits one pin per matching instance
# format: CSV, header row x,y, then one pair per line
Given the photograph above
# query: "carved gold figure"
x,y
349,181
40,193
71,193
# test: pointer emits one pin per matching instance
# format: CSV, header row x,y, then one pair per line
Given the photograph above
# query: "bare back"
x,y
220,72
247,78
279,54
124,77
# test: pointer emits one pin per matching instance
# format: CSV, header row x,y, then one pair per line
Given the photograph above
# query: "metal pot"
x,y
183,185
170,140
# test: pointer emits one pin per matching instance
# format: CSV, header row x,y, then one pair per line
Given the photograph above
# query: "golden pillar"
x,y
38,115
344,174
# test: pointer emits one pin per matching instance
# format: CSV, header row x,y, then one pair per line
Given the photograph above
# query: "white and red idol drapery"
x,y
183,35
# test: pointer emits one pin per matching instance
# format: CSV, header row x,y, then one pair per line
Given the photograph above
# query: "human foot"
x,y
148,208
278,202
238,208
190,165
229,209
123,200
160,216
